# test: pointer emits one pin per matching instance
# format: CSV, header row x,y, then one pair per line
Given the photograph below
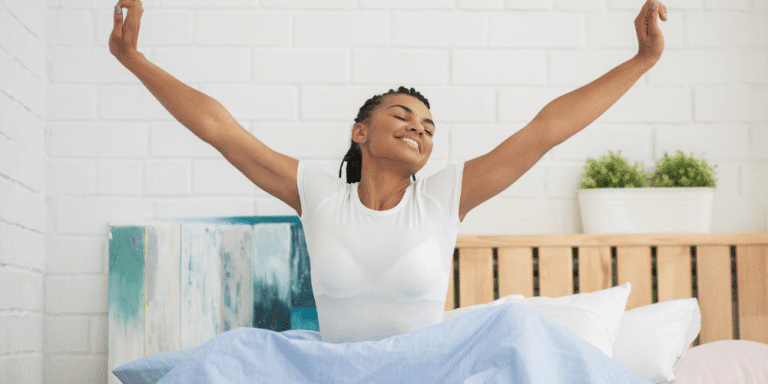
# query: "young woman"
x,y
381,242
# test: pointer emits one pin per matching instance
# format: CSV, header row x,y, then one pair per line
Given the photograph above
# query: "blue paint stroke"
x,y
305,318
126,275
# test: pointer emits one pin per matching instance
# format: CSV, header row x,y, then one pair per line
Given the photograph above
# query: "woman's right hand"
x,y
122,42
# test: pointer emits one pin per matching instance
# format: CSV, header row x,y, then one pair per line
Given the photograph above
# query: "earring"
x,y
363,138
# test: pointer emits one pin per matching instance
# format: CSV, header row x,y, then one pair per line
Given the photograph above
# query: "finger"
x,y
650,19
647,6
660,9
135,10
117,29
644,11
133,18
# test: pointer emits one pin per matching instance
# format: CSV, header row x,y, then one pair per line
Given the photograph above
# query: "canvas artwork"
x,y
176,283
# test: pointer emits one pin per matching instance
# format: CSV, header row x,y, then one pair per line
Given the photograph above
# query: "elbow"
x,y
210,124
210,128
558,132
546,134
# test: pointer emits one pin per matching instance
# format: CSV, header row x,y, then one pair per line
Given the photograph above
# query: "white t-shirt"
x,y
377,274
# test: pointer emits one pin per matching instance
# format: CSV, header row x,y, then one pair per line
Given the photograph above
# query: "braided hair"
x,y
354,156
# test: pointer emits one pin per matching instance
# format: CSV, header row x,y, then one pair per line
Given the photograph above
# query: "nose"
x,y
417,128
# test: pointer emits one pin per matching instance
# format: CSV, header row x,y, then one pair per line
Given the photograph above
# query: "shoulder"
x,y
446,178
311,172
315,185
444,188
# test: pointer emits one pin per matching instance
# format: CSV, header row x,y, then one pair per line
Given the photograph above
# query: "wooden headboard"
x,y
726,272
176,283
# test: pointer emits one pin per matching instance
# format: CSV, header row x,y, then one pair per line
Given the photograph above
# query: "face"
x,y
399,131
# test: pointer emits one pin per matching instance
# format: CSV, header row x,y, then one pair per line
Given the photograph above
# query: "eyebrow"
x,y
409,111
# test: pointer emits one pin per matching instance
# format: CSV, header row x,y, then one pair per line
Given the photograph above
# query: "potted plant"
x,y
677,197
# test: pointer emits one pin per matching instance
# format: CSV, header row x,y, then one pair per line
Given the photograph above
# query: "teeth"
x,y
411,142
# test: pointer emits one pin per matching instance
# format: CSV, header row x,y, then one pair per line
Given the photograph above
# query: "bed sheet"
x,y
501,344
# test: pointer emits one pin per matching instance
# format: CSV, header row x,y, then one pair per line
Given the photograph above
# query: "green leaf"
x,y
614,171
683,171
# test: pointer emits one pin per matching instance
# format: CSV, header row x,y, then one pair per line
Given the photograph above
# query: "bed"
x,y
175,283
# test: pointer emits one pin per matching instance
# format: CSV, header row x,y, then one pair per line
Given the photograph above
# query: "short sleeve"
x,y
315,186
444,187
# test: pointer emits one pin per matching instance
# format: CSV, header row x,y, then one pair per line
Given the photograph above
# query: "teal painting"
x,y
126,275
176,283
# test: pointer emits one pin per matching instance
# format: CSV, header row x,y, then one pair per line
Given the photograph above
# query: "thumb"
x,y
118,17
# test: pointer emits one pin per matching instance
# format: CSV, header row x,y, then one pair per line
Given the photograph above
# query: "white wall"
x,y
295,73
23,156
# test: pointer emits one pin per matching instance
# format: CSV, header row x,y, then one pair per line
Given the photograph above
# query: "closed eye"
x,y
426,130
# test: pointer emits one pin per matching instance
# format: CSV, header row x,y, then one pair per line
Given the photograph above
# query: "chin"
x,y
408,164
409,167
413,170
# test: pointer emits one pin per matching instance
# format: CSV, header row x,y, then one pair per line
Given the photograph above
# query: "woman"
x,y
381,244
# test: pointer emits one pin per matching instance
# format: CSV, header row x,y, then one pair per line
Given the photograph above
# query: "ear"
x,y
359,131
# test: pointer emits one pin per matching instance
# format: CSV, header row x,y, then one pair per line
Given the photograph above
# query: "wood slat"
x,y
752,274
633,264
449,298
515,271
475,276
674,274
555,271
595,269
673,271
713,272
581,239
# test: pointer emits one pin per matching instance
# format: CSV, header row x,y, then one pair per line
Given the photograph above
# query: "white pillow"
x,y
654,337
724,361
593,316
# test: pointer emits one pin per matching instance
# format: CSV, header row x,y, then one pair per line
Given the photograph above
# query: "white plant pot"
x,y
646,210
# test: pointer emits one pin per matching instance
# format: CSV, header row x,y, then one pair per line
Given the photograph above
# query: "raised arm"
x,y
487,175
273,172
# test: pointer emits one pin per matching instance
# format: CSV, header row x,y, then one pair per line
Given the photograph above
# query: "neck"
x,y
380,188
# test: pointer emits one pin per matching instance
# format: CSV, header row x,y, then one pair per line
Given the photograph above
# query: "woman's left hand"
x,y
649,35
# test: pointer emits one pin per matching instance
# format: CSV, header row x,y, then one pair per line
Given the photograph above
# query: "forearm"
x,y
192,108
574,111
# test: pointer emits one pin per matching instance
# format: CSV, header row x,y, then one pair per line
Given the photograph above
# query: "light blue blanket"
x,y
508,343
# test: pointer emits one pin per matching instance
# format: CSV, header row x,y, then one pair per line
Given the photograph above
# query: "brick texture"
x,y
83,141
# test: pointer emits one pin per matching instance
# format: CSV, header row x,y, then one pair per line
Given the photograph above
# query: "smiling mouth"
x,y
411,142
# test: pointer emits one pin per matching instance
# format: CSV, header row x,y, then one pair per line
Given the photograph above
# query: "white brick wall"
x,y
23,157
83,142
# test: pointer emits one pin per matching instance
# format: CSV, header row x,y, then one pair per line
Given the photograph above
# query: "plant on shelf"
x,y
617,197
683,171
614,171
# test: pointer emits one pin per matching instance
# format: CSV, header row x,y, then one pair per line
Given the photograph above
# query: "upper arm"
x,y
486,176
271,171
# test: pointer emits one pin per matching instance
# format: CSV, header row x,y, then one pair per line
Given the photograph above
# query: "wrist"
x,y
132,59
646,61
